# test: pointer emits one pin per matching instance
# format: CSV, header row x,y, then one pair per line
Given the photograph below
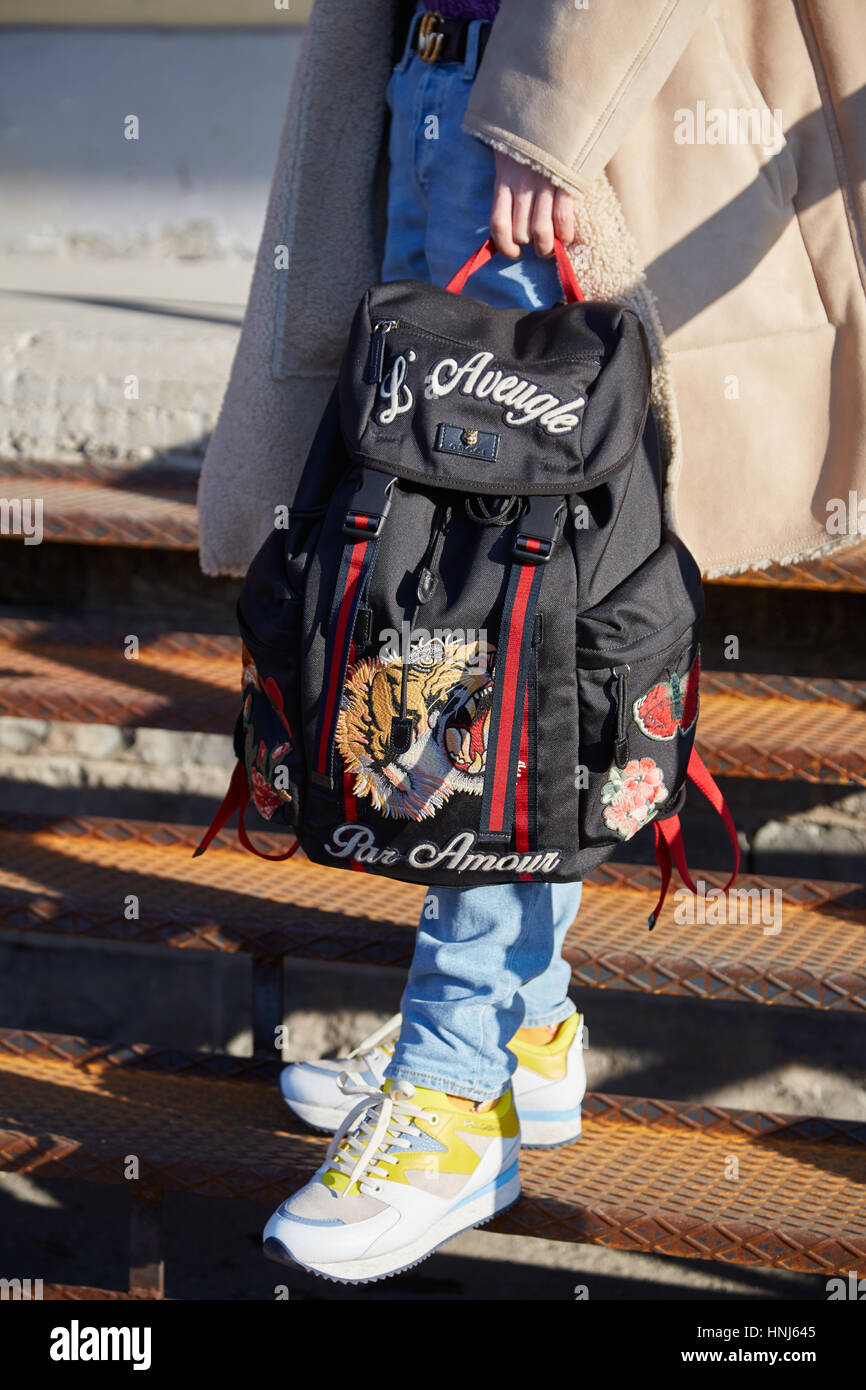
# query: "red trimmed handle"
x,y
486,251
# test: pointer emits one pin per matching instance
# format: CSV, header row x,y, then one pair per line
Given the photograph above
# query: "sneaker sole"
x,y
369,1271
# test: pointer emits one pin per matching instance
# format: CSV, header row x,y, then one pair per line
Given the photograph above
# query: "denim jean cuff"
x,y
554,1016
452,1086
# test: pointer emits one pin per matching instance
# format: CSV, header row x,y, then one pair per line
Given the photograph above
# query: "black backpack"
x,y
471,653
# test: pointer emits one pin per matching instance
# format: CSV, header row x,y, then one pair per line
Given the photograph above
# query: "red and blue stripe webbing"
x,y
526,791
350,805
355,566
513,659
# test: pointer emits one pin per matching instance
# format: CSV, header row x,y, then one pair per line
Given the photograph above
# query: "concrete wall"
x,y
276,14
129,257
209,104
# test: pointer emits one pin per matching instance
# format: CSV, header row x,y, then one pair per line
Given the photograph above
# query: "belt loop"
x,y
408,51
473,40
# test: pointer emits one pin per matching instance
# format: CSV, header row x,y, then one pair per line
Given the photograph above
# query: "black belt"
x,y
442,39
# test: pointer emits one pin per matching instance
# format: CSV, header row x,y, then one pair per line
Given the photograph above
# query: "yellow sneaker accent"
x,y
548,1059
447,1124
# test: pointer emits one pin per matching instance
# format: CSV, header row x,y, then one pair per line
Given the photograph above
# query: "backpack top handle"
x,y
487,251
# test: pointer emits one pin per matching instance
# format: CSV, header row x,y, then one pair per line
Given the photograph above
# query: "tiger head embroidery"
x,y
449,695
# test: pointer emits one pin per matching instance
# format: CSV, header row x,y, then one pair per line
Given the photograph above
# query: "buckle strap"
x,y
509,700
363,528
525,794
663,859
370,505
538,530
536,534
355,566
350,805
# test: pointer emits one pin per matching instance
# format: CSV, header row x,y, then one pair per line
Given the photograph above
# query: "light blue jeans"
x,y
489,961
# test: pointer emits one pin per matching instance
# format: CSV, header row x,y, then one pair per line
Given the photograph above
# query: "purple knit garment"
x,y
469,9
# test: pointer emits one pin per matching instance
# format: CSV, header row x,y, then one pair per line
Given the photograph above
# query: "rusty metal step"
x,y
676,1178
72,877
781,739
821,690
101,504
845,571
78,1052
81,1293
85,674
765,727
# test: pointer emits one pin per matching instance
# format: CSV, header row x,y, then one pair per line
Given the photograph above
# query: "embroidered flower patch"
x,y
262,764
265,799
632,795
249,674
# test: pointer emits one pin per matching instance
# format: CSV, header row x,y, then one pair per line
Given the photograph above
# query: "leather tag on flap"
x,y
460,439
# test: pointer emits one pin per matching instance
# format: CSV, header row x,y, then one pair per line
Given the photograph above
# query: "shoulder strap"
x,y
536,536
362,530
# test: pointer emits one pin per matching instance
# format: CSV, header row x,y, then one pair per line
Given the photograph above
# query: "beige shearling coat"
x,y
738,236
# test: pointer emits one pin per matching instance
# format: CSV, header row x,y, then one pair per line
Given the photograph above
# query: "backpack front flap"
x,y
437,387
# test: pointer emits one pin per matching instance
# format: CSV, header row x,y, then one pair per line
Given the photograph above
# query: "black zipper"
x,y
621,745
376,354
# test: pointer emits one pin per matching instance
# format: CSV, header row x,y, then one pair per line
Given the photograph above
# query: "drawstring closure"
x,y
493,511
428,579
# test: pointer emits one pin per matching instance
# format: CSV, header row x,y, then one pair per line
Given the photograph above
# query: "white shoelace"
x,y
384,1120
365,1053
385,1033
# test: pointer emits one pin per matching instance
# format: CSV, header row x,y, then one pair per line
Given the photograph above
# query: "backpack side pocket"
x,y
267,734
269,731
638,668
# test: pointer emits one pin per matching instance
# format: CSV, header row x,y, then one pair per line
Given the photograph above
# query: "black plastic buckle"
x,y
372,503
538,530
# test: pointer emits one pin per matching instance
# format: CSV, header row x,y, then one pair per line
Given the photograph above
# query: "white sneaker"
x,y
549,1083
406,1171
311,1089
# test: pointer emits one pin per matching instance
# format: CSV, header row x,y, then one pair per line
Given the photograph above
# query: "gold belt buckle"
x,y
429,39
